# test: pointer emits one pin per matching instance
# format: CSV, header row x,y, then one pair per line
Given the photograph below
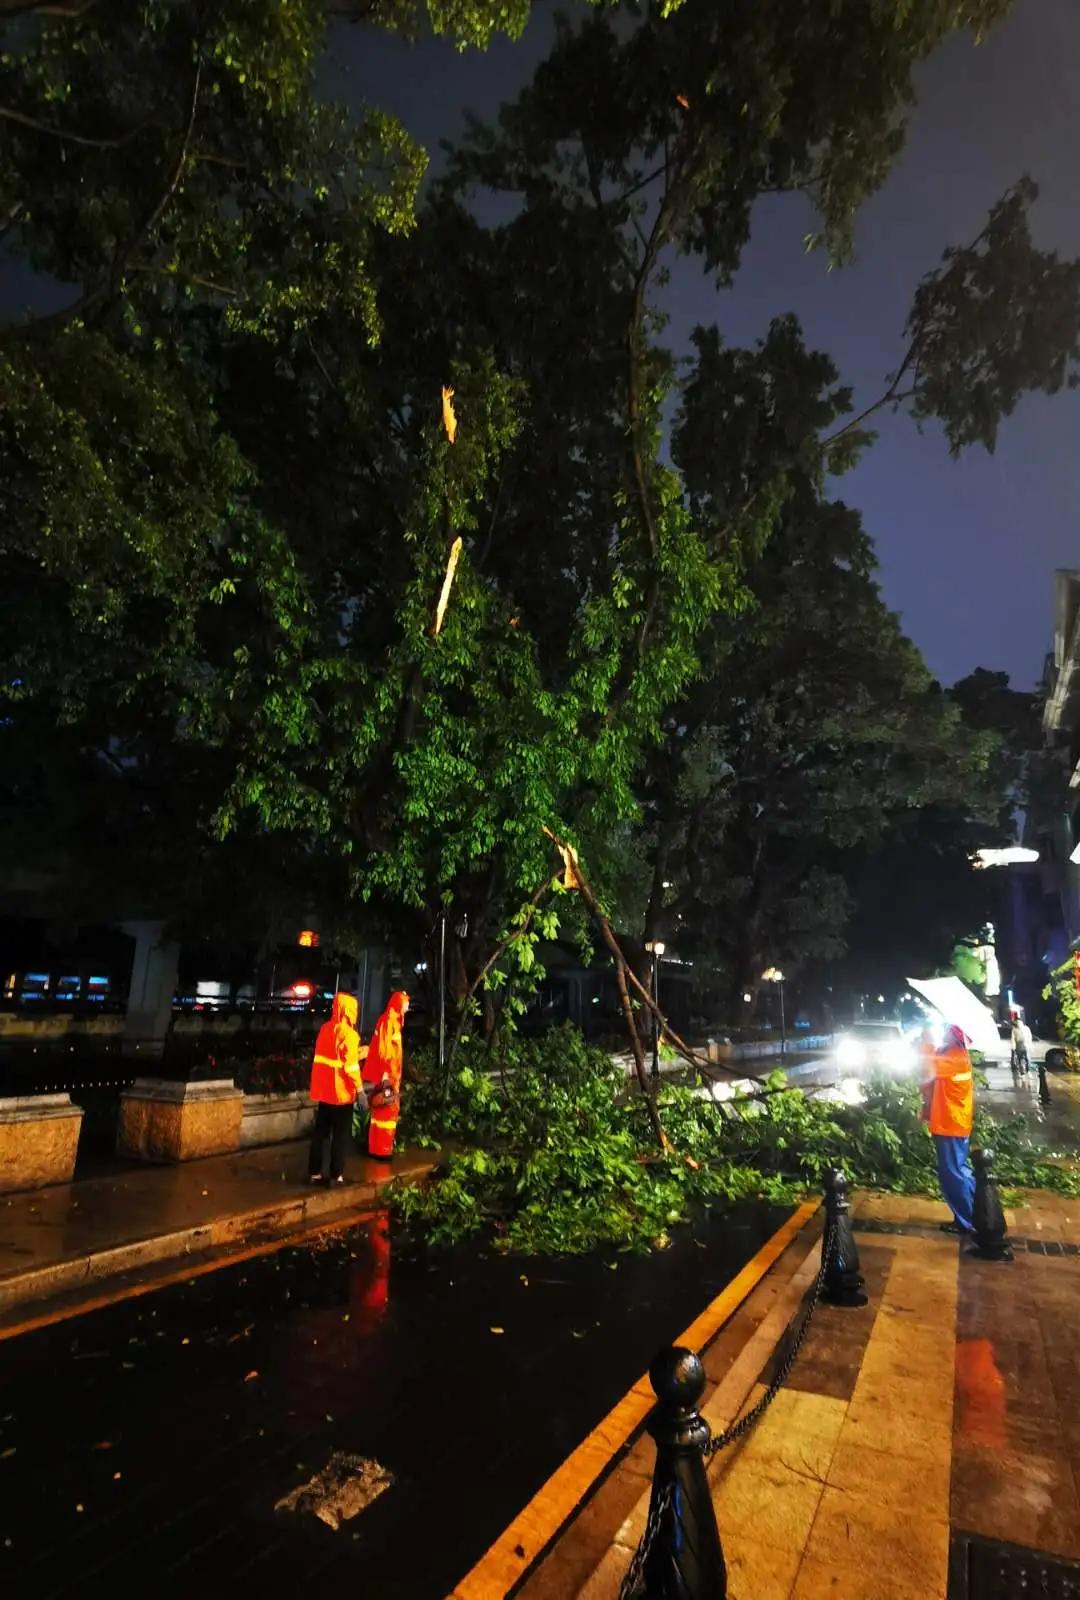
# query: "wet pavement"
x,y
1054,1127
56,1238
147,1444
925,1445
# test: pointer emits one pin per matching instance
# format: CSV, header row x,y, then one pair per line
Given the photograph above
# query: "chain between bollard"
x,y
739,1429
634,1571
628,1589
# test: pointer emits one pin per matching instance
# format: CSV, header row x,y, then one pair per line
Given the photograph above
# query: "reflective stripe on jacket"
x,y
335,1071
952,1102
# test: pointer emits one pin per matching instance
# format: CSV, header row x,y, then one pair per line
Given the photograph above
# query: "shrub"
x,y
273,1074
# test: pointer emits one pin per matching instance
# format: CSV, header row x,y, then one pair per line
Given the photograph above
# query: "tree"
x,y
816,728
228,493
988,702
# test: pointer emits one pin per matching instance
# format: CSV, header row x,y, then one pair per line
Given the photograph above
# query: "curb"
x,y
521,1546
58,1276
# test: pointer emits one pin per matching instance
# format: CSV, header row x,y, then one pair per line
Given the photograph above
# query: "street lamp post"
x,y
774,975
656,948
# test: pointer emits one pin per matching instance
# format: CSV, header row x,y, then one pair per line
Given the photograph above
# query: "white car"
x,y
875,1046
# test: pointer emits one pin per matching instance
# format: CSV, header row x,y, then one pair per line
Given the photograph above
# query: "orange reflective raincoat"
x,y
335,1072
383,1074
951,1090
385,1052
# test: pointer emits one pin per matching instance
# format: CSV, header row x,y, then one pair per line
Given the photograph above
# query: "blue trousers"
x,y
957,1178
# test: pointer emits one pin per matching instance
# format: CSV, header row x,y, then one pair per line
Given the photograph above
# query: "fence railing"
x,y
680,1556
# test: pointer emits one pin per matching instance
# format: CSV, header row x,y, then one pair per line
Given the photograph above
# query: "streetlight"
x,y
656,948
1014,855
774,975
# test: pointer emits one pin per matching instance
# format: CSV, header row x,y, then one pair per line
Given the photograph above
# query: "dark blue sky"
x,y
967,547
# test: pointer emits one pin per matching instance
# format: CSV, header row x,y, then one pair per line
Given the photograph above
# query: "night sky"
x,y
967,547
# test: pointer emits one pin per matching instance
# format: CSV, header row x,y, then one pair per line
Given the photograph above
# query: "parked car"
x,y
875,1046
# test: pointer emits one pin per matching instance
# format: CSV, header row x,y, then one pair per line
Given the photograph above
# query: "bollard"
x,y
989,1219
843,1280
1044,1087
684,1560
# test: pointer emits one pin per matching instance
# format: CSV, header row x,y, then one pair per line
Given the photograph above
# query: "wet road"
x,y
1054,1128
146,1444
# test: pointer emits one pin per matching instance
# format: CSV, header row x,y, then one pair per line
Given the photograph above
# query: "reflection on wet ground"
x,y
1052,1127
149,1442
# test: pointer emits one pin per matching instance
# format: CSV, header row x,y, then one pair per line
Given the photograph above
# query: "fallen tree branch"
x,y
576,876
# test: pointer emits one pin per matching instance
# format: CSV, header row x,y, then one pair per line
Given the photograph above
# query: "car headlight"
x,y
850,1053
899,1057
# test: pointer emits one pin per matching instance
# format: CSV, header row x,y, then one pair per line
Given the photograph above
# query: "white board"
x,y
955,1002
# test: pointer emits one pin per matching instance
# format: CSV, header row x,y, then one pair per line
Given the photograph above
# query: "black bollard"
x,y
986,1213
843,1280
684,1560
1044,1087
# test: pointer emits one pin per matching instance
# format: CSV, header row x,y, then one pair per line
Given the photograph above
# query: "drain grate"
x,y
984,1569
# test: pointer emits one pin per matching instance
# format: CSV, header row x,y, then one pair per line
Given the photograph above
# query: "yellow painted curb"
x,y
518,1546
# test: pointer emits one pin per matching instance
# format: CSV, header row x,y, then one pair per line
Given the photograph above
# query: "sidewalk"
x,y
59,1239
927,1446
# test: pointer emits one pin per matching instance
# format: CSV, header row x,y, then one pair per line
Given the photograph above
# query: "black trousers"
x,y
333,1125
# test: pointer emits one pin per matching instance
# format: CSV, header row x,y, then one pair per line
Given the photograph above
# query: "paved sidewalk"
x,y
913,1441
52,1240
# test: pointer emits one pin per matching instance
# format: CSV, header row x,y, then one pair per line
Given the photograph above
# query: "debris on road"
x,y
347,1485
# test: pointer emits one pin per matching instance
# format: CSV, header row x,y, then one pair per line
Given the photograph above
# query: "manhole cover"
x,y
983,1569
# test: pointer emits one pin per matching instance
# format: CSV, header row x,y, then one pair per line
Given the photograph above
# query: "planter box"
x,y
273,1118
39,1135
164,1121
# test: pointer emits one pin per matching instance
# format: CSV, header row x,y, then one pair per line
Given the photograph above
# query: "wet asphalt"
x,y
145,1445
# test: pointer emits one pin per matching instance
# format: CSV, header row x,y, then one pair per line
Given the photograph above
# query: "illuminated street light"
x,y
774,975
1014,855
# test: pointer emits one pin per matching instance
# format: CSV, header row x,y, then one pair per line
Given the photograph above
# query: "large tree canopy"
x,y
229,497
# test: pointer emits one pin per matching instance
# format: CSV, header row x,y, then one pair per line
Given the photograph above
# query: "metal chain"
x,y
662,1501
742,1427
628,1587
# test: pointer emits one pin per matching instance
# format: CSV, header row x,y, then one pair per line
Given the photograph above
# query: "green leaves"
x,y
560,1162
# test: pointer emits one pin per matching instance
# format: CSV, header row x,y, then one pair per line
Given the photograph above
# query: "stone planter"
x,y
39,1135
273,1118
165,1121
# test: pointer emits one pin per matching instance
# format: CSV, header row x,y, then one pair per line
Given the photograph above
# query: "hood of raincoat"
x,y
345,1009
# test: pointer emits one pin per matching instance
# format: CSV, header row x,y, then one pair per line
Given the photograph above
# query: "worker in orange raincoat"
x,y
382,1075
335,1086
949,1109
